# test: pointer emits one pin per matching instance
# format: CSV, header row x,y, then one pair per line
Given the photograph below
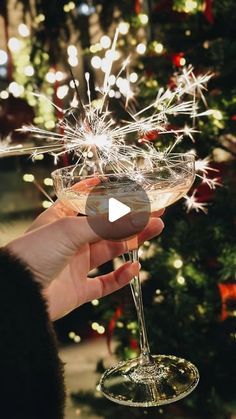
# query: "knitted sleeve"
x,y
31,374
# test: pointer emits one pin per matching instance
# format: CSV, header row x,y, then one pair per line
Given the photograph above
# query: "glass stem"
x,y
145,356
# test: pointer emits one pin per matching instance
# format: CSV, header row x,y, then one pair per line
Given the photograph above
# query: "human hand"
x,y
61,249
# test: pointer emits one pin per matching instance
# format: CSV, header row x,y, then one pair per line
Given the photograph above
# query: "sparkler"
x,y
89,130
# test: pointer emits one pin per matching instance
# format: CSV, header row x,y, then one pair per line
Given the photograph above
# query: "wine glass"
x,y
149,380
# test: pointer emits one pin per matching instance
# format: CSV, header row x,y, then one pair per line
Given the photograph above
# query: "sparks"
x,y
191,203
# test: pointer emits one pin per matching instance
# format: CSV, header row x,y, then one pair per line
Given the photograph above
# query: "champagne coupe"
x,y
149,380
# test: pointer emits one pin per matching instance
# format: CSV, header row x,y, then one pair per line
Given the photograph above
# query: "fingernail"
x,y
138,219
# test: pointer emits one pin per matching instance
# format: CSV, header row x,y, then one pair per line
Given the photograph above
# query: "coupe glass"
x,y
149,380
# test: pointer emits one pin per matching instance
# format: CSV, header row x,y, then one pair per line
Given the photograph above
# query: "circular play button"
x,y
116,206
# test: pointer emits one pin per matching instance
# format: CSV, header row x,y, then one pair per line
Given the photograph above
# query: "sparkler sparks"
x,y
90,130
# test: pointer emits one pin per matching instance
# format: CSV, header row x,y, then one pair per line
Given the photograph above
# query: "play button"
x,y
112,203
117,210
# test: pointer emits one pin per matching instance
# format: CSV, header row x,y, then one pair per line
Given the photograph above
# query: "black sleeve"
x,y
31,374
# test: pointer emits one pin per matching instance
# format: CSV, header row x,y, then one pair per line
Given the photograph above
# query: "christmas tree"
x,y
189,282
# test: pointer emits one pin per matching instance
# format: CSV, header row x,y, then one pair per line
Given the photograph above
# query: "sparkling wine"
x,y
161,195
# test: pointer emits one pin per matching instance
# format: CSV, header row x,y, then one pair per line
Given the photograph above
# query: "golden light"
x,y
158,48
133,77
95,302
190,6
28,177
178,263
181,280
143,18
182,61
16,89
46,204
4,94
217,114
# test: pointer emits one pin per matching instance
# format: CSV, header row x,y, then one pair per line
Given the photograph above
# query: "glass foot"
x,y
164,381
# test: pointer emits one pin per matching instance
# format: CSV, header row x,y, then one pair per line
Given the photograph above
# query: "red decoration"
x,y
134,344
137,7
112,325
233,118
208,12
176,59
227,292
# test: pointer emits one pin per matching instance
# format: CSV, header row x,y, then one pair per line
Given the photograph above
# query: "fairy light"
x,y
4,94
95,303
14,44
51,77
28,177
73,61
141,48
133,77
158,48
96,62
3,57
59,75
95,326
46,204
178,263
40,18
23,30
72,50
62,91
217,114
105,41
123,28
16,89
74,83
29,70
143,18
182,61
181,280
190,6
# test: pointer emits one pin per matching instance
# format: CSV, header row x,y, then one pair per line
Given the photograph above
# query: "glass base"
x,y
165,380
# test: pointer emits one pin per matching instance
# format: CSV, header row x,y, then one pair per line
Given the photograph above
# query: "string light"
x,y
181,280
59,75
29,70
178,263
105,41
74,83
96,62
28,177
62,91
14,44
23,30
143,18
190,6
16,89
133,77
141,48
51,77
3,57
73,61
4,94
95,303
124,28
158,48
72,50
46,204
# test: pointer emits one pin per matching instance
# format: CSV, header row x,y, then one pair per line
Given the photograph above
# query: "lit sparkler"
x,y
89,130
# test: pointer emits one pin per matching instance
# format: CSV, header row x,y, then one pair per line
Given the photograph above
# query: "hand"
x,y
61,249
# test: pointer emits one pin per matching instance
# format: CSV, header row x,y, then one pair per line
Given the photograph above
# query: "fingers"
x,y
54,213
106,284
104,251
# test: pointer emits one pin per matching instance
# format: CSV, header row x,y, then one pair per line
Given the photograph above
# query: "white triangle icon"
x,y
117,210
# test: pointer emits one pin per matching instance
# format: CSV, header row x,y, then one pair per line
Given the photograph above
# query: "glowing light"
x,y
217,114
3,57
187,32
105,41
178,263
72,335
190,6
14,44
40,18
158,48
73,61
39,157
101,330
95,325
59,75
123,28
112,80
77,339
51,77
28,177
95,302
72,50
62,91
15,89
112,93
143,18
133,77
73,83
141,48
4,94
49,124
182,61
29,70
181,280
96,62
46,204
23,30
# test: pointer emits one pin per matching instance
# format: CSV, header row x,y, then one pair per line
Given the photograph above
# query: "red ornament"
x,y
112,325
233,118
176,59
208,12
134,344
137,7
227,292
